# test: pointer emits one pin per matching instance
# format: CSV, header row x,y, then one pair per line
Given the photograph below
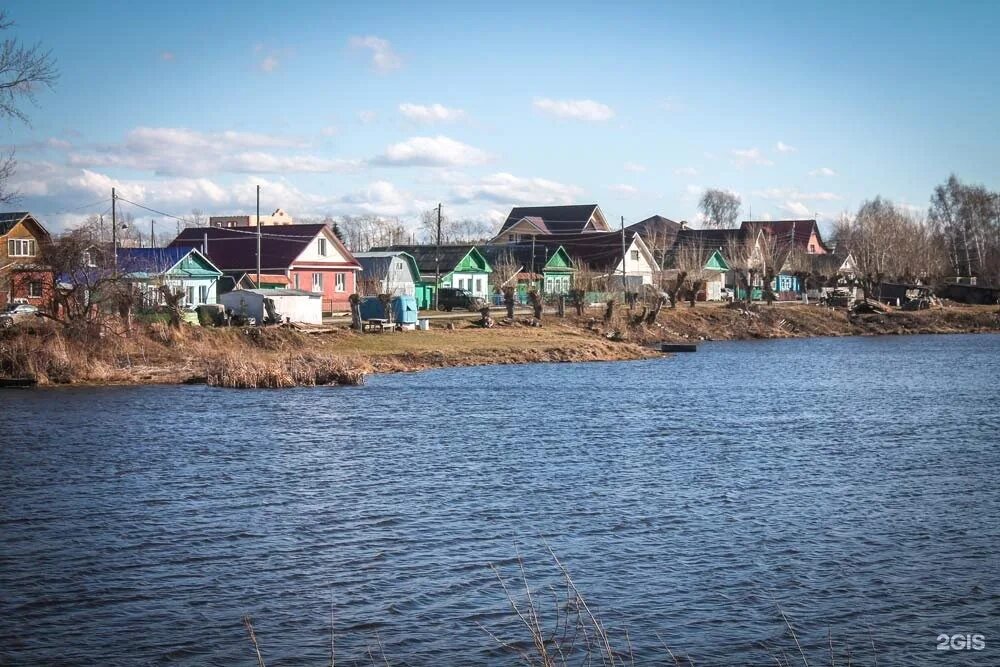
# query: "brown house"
x,y
22,278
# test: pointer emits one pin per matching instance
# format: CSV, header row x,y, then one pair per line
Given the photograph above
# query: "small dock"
x,y
678,347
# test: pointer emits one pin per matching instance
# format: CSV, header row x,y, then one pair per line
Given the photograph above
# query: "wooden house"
x,y
525,222
388,272
177,268
22,277
461,266
308,257
541,266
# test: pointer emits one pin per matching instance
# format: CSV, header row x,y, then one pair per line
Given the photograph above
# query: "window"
x,y
812,247
341,282
479,285
635,255
295,281
88,258
321,246
317,282
35,288
203,294
190,295
21,247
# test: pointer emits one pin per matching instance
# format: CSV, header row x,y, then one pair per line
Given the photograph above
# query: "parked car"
x,y
17,312
450,298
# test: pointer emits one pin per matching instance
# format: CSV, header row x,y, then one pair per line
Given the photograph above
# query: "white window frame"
x,y
295,280
202,293
189,294
32,292
635,256
317,282
21,247
321,246
340,284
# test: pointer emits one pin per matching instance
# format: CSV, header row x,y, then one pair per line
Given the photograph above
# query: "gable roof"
x,y
377,263
794,233
9,221
599,250
521,253
424,255
236,249
157,260
554,219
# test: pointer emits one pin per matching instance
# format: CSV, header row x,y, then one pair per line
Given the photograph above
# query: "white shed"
x,y
290,304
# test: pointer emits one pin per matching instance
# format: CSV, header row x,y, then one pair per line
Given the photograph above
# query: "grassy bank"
x,y
279,357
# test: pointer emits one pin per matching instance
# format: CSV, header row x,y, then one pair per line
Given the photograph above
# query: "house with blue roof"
x,y
186,269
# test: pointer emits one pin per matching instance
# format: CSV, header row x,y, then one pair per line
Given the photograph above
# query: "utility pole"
x,y
258,237
533,258
437,261
114,229
624,287
152,233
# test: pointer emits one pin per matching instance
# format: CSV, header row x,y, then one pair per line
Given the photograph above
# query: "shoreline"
x,y
279,357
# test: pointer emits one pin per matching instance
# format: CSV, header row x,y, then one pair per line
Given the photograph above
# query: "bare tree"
x,y
874,233
967,218
720,208
690,260
743,260
23,71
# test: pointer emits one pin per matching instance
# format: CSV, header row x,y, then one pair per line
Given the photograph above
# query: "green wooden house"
x,y
544,266
461,266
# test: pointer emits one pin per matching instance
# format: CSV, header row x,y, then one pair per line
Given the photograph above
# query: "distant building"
x,y
525,222
22,278
279,217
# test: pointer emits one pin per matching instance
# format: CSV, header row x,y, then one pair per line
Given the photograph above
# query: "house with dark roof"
x,y
658,233
178,268
802,235
609,256
22,277
460,266
542,266
523,222
306,257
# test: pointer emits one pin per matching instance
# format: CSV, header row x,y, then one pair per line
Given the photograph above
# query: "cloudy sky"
x,y
388,108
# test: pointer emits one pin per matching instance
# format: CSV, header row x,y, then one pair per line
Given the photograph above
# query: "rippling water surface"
x,y
852,481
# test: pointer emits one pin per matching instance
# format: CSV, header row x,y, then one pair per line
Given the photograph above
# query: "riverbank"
x,y
281,357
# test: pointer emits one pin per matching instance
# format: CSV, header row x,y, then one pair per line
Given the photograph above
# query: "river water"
x,y
850,482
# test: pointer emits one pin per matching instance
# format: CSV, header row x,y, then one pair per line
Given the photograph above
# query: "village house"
x,y
178,268
524,222
659,234
712,245
610,257
22,278
460,266
279,217
545,267
302,257
801,235
388,272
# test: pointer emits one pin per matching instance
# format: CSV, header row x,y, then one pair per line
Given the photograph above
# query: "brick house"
x,y
22,277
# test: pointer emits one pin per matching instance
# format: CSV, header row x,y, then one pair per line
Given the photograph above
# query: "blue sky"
x,y
389,108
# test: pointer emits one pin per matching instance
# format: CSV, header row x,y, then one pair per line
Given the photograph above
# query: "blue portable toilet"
x,y
371,309
404,310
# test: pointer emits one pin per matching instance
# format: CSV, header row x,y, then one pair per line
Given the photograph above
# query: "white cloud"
x,y
634,167
436,151
686,171
742,157
782,147
576,109
692,192
380,198
624,190
823,171
430,113
384,59
796,208
183,152
791,193
508,190
367,117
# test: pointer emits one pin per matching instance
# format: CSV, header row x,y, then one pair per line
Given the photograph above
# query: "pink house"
x,y
306,257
